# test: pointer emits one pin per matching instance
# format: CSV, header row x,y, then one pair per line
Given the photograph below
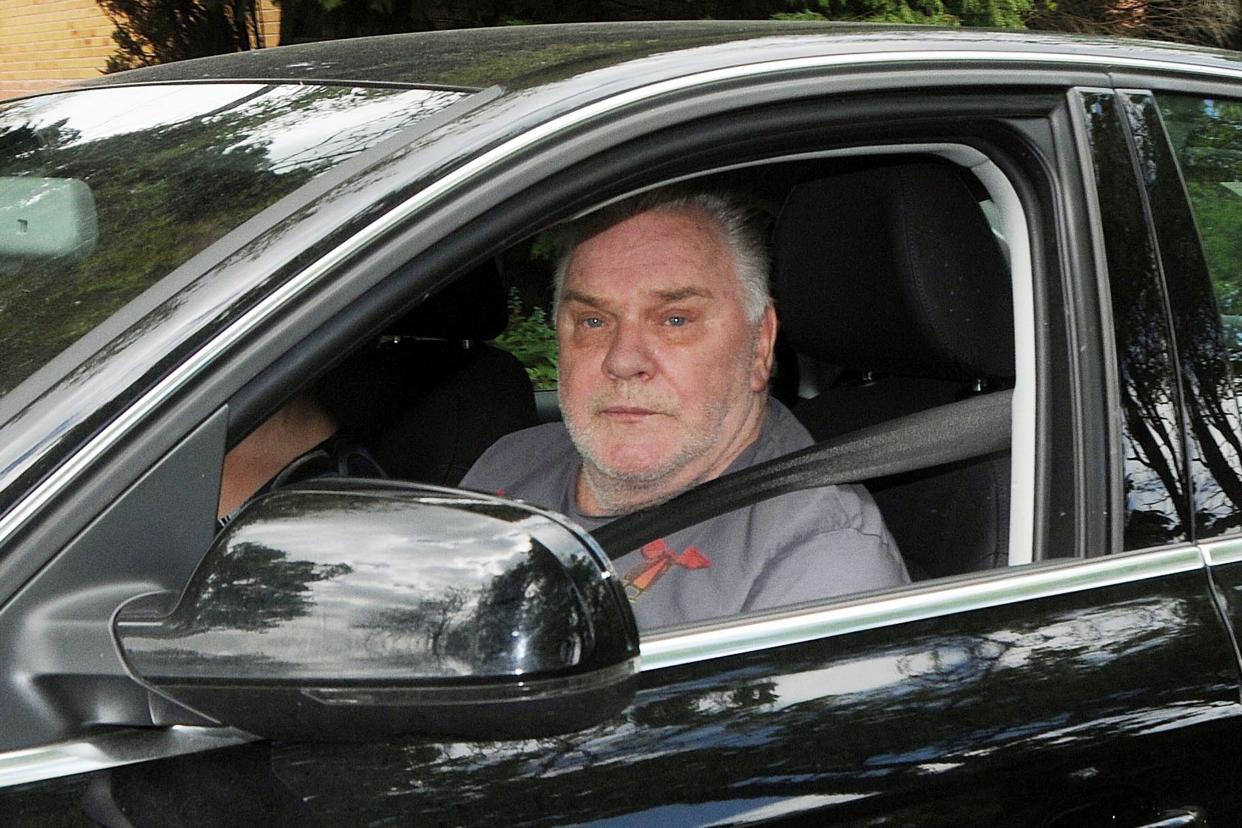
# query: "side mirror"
x,y
343,609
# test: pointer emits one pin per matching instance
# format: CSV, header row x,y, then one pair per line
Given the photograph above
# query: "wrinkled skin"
x,y
663,379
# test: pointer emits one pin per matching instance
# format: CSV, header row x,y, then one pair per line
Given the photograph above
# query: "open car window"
x,y
437,387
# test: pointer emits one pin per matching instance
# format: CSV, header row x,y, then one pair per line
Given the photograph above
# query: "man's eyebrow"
x,y
678,294
669,295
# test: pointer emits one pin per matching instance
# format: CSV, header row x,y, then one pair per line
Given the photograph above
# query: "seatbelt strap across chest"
x,y
958,431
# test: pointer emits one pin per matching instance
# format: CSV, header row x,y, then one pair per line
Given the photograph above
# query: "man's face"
x,y
662,378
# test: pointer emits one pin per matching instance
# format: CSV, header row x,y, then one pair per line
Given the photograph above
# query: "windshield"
x,y
105,191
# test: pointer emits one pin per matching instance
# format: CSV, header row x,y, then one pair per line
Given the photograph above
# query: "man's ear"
x,y
765,347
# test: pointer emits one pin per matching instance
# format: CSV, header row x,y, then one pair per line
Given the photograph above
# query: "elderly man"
x,y
666,333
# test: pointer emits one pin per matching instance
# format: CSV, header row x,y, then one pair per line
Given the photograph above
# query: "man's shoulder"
x,y
520,455
782,433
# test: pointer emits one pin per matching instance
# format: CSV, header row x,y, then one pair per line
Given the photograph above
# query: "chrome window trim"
x,y
785,627
111,434
111,750
1222,552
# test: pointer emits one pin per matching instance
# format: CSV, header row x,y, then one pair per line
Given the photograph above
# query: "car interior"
x,y
892,280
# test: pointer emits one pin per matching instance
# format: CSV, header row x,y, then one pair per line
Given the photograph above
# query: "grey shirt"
x,y
797,547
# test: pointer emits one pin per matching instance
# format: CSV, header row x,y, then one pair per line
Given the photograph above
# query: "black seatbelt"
x,y
945,434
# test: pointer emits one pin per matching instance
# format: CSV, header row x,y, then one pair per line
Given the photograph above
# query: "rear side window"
x,y
1206,135
105,191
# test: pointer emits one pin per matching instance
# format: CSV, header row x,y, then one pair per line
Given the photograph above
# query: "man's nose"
x,y
629,354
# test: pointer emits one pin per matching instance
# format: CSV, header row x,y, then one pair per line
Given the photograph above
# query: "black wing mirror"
x,y
348,609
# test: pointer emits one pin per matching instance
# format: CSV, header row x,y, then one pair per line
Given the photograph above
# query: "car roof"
x,y
524,56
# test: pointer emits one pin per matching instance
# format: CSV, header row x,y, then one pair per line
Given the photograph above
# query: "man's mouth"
x,y
627,413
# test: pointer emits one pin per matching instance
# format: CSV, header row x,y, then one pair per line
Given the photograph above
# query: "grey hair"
x,y
738,226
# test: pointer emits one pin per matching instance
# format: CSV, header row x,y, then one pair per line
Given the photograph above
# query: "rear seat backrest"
x,y
431,396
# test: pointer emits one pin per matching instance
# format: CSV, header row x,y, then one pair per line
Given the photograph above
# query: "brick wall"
x,y
44,43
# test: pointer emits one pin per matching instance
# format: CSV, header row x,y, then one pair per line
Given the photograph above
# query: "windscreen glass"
x,y
105,191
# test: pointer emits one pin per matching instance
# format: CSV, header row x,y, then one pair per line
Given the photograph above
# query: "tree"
x,y
995,13
149,32
320,19
1205,22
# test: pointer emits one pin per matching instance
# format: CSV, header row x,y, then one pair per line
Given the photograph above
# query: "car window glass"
x,y
105,191
1206,137
1206,134
1156,503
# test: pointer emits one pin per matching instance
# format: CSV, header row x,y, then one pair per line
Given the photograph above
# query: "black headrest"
x,y
894,269
472,307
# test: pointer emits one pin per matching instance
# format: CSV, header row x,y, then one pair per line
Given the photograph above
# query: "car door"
x,y
1082,688
1061,693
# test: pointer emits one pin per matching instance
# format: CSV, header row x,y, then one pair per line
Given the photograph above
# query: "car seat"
x,y
429,396
893,273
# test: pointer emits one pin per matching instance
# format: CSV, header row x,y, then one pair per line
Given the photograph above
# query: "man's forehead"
x,y
659,254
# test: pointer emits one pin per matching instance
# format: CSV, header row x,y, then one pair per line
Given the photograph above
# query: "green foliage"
x,y
532,340
1207,135
803,15
317,19
993,13
545,248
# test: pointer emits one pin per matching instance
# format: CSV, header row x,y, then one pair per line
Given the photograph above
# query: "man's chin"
x,y
626,468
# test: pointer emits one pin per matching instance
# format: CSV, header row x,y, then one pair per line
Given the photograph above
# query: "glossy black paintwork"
x,y
341,608
517,57
942,722
1116,703
1157,498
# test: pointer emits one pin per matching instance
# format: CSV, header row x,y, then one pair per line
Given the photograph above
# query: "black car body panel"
x,y
529,56
947,721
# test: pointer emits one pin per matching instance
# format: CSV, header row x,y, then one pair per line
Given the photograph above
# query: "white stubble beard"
x,y
620,491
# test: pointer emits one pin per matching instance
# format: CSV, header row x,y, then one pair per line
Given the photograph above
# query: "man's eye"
x,y
676,321
592,322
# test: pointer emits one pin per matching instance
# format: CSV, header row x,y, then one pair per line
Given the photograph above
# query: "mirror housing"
x,y
347,609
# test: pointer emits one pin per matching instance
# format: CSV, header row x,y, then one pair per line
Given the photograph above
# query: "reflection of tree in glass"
x,y
152,216
165,192
254,587
1206,136
1152,443
20,142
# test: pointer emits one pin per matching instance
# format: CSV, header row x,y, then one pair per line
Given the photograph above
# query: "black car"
x,y
1008,269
